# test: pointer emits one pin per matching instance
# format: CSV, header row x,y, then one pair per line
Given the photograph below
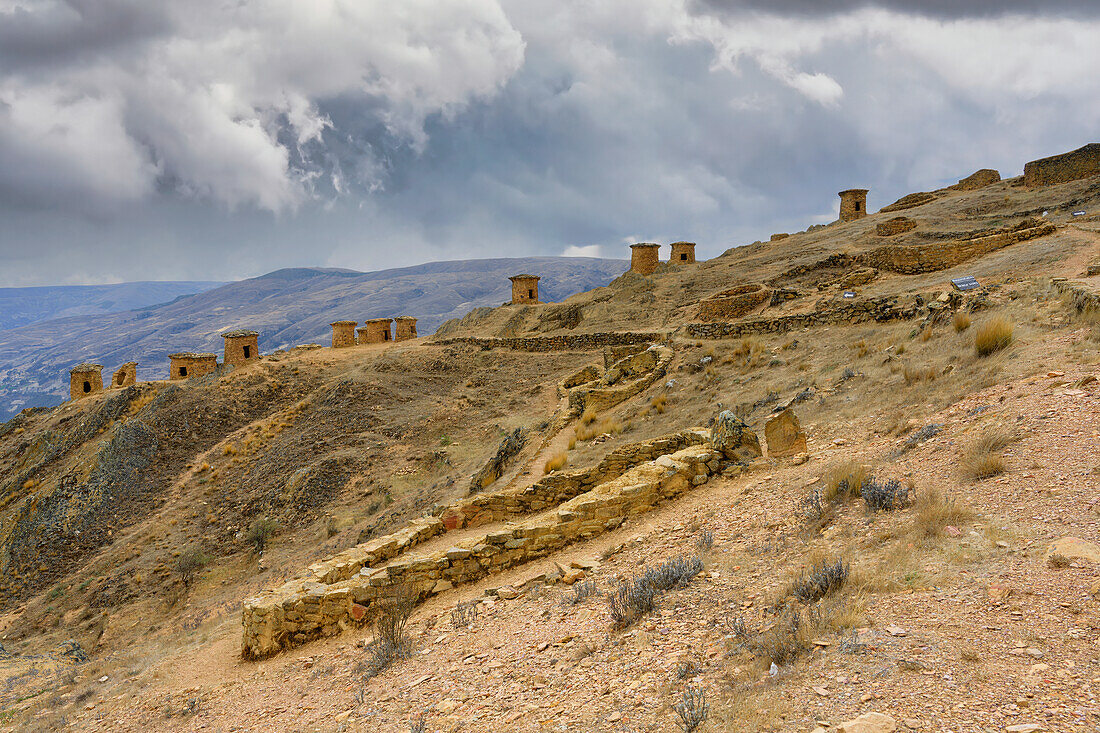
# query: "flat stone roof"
x,y
192,355
853,190
86,367
525,277
405,318
645,244
239,333
378,320
344,323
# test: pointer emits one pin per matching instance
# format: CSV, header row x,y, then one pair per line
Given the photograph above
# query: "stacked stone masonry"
x,y
125,376
376,331
920,258
644,257
84,380
241,347
566,342
733,303
683,253
525,289
976,180
302,610
1081,163
624,379
343,334
897,225
853,204
406,328
860,311
191,365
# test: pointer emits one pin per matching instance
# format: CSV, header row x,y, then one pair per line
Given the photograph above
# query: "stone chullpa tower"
x,y
644,257
406,328
376,331
85,379
853,204
683,253
343,333
125,376
241,347
525,289
188,365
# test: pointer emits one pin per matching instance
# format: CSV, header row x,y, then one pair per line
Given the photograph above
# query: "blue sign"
x,y
849,294
965,283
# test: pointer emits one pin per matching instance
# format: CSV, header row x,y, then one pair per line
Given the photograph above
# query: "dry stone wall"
x,y
1083,297
565,342
623,380
875,309
1080,163
306,609
920,258
733,303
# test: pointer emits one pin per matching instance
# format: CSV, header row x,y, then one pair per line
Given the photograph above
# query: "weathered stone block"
x,y
784,435
734,438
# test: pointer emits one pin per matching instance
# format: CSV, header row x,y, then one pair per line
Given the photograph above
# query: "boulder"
x,y
734,438
1075,548
784,435
868,723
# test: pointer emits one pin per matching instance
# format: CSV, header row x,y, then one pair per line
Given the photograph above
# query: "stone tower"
x,y
188,365
85,379
125,376
683,253
644,257
853,204
525,289
241,347
406,328
343,333
376,331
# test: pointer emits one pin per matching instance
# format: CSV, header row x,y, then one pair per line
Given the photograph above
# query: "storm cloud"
x,y
205,140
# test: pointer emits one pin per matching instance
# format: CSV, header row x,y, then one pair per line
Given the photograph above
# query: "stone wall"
x,y
978,179
343,334
683,253
732,303
909,201
1083,297
626,378
525,289
853,204
376,331
897,225
84,380
406,328
920,258
644,258
241,347
565,342
304,609
190,365
125,376
1080,163
876,309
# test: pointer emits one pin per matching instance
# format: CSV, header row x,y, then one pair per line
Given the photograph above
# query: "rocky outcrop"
x,y
1075,548
784,436
734,439
624,379
909,201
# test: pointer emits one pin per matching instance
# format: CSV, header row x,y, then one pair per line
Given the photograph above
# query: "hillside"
x,y
802,483
287,307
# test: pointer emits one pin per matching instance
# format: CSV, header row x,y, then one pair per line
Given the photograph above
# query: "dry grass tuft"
x,y
934,510
658,403
926,334
993,336
961,322
982,458
842,480
556,462
914,375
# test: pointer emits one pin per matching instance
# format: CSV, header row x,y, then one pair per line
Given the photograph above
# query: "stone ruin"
x,y
85,379
683,253
853,204
897,225
733,303
241,347
644,257
125,376
188,365
343,333
778,237
406,328
977,179
525,289
376,331
1080,163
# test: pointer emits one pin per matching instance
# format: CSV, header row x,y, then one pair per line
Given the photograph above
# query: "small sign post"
x,y
849,294
965,283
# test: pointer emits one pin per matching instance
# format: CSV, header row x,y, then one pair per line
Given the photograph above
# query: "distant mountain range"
x,y
24,306
287,307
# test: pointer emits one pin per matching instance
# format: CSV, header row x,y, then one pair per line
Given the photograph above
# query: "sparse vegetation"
x,y
914,375
820,581
885,496
260,532
1058,561
961,321
582,590
189,563
556,462
704,541
982,458
843,480
391,642
464,614
935,510
692,709
637,596
993,336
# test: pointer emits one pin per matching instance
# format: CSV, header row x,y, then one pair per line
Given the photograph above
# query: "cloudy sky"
x,y
218,139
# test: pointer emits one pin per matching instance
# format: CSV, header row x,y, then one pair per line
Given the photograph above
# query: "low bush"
x,y
556,462
935,510
260,532
886,496
189,563
993,336
843,480
637,596
982,458
820,581
692,709
391,640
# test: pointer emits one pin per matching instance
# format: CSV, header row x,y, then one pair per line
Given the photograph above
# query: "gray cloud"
x,y
259,138
931,8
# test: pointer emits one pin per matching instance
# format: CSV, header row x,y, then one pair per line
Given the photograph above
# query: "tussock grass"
x,y
926,334
556,462
994,335
961,322
914,375
843,480
934,510
982,458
